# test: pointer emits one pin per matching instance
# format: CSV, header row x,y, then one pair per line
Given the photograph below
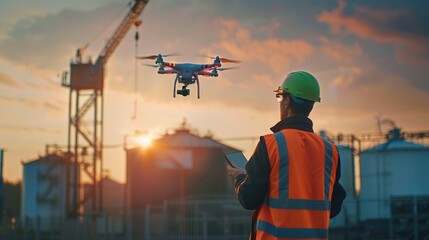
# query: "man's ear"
x,y
286,100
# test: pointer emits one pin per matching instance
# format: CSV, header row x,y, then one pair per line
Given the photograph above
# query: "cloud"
x,y
266,79
19,100
41,45
47,40
345,68
21,128
344,55
276,53
271,29
382,92
400,27
266,61
397,38
11,12
9,81
54,107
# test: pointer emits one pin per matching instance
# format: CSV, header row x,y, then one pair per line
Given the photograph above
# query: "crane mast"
x,y
85,130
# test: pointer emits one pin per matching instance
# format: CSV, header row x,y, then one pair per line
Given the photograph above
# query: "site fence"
x,y
221,217
196,218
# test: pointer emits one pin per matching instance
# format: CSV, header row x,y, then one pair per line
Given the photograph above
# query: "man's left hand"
x,y
234,172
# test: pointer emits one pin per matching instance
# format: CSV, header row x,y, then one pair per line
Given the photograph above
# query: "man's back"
x,y
300,185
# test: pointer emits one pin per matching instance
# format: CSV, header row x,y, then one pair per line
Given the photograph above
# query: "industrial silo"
x,y
394,178
170,178
44,192
348,214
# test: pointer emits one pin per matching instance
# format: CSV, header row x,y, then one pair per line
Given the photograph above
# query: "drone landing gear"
x,y
175,83
198,87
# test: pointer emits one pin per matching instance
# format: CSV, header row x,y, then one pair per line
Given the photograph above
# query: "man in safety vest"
x,y
291,180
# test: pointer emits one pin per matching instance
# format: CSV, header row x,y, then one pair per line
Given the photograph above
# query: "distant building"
x,y
113,197
44,196
44,191
111,220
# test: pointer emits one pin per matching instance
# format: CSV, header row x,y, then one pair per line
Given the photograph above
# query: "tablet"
x,y
236,159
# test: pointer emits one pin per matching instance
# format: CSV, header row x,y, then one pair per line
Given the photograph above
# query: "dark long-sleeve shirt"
x,y
252,187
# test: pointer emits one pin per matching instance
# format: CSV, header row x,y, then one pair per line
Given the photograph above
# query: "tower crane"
x,y
85,132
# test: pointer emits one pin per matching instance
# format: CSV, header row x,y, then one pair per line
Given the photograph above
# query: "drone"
x,y
187,73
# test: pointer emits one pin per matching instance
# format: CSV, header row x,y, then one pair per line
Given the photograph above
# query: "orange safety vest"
x,y
298,202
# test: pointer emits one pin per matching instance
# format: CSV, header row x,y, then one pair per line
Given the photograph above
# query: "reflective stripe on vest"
x,y
292,232
301,183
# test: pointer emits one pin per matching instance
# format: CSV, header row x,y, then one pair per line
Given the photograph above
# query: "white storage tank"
x,y
392,170
44,194
348,214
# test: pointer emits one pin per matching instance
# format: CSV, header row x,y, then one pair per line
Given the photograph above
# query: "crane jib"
x,y
120,32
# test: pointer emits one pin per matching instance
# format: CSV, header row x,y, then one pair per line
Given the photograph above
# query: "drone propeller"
x,y
151,65
225,60
153,57
223,69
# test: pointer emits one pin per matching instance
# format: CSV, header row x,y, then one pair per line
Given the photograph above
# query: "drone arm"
x,y
207,74
169,64
210,66
165,64
169,71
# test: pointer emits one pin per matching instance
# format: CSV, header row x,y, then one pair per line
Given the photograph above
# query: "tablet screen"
x,y
236,159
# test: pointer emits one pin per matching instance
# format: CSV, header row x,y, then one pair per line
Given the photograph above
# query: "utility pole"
x,y
1,187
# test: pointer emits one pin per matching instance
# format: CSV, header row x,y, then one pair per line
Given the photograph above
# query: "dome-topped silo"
x,y
391,172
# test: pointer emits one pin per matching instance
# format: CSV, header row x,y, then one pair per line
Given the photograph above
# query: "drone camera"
x,y
183,92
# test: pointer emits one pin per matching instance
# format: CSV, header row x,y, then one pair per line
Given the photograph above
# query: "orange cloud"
x,y
278,54
7,80
381,26
342,54
271,28
265,79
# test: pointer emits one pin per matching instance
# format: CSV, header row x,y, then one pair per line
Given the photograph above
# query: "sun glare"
x,y
144,141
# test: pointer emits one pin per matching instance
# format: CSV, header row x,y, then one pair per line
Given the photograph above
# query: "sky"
x,y
371,59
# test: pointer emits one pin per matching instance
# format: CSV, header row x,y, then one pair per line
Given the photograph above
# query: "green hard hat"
x,y
302,85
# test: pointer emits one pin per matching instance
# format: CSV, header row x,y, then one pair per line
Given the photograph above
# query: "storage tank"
x,y
348,214
44,192
174,167
390,173
176,164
